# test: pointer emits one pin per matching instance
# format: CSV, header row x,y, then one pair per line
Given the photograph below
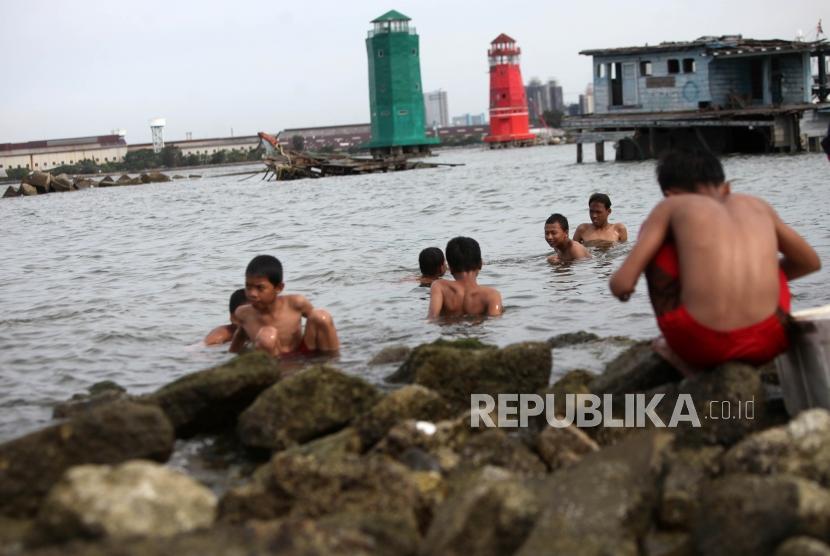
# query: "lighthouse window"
x,y
380,53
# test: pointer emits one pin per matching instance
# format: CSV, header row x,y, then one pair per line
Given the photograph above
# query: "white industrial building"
x,y
43,155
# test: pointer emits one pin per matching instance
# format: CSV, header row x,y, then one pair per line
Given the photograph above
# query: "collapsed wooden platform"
x,y
285,164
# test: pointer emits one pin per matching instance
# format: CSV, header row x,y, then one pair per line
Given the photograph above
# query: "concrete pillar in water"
x,y
599,147
579,153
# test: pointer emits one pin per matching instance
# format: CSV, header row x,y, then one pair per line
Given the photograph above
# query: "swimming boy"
x,y
433,266
224,333
273,322
716,283
463,296
556,234
599,230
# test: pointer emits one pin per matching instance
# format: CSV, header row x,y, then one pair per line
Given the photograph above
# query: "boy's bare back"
x,y
457,298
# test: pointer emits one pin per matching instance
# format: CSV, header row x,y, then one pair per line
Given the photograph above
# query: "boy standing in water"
x,y
556,234
433,266
224,333
717,285
463,296
599,230
273,322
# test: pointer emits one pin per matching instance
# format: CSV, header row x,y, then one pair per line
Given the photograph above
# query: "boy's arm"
x,y
436,300
494,304
303,305
799,258
238,340
652,235
578,233
623,231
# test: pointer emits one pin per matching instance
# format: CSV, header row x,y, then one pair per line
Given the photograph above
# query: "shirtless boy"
x,y
556,234
433,266
599,230
273,322
463,296
224,333
717,285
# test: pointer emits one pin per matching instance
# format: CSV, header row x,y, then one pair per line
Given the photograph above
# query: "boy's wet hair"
x,y
600,198
430,261
267,266
463,254
685,169
557,218
237,298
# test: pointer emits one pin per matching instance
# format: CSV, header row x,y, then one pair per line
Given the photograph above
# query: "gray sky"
x,y
84,67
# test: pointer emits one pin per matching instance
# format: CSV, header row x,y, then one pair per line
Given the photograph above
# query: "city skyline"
x,y
261,67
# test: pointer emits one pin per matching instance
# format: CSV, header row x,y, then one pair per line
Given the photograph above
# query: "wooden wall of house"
x,y
661,91
733,76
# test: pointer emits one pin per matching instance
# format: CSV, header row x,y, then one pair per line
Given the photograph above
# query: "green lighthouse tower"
x,y
395,95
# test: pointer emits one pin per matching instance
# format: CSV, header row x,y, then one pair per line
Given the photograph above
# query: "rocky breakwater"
x,y
347,467
40,183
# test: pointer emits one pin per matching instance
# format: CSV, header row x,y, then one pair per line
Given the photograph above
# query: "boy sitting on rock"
x,y
716,283
273,322
463,296
224,333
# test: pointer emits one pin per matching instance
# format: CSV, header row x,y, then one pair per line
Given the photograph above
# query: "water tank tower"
x,y
157,129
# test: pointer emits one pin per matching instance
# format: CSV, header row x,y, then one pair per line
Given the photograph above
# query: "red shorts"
x,y
699,345
299,351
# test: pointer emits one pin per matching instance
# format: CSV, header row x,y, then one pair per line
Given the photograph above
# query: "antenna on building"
x,y
819,30
157,129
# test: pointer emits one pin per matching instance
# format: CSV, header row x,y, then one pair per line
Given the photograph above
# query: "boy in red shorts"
x,y
715,279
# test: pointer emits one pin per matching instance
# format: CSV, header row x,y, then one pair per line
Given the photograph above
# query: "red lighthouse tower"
x,y
508,103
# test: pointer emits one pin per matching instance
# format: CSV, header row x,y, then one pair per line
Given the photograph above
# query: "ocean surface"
x,y
122,283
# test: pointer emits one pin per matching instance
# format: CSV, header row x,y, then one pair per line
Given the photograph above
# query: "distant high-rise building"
x,y
437,113
543,97
555,94
469,119
573,109
586,101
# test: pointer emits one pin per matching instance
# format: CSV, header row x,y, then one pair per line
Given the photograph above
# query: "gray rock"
x,y
456,374
406,372
39,180
637,369
99,394
667,543
688,471
571,338
83,183
137,498
154,177
562,447
495,447
106,181
603,505
750,514
390,354
124,179
409,402
801,448
304,406
212,399
114,433
11,192
61,183
490,512
803,546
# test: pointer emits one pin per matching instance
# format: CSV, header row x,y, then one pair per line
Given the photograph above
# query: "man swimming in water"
x,y
273,322
224,333
463,296
716,283
599,230
556,234
432,264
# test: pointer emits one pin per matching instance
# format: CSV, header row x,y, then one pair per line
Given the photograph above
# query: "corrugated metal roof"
x,y
102,140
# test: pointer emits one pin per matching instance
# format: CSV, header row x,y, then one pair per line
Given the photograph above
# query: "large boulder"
x,y
687,471
213,399
406,372
28,190
750,514
100,393
304,406
124,179
111,434
11,192
563,446
410,402
457,373
83,183
39,180
154,177
61,183
801,448
297,485
637,369
496,447
603,505
390,354
489,512
106,181
137,498
802,546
